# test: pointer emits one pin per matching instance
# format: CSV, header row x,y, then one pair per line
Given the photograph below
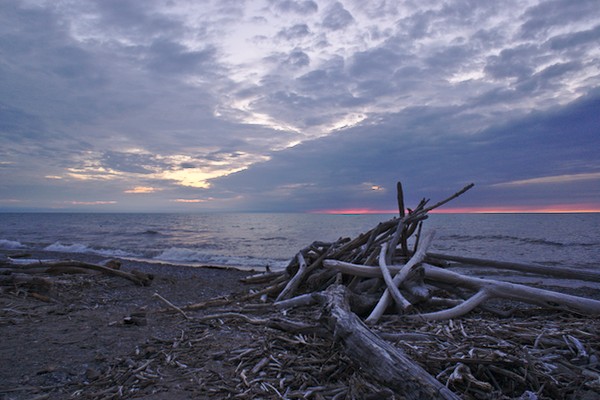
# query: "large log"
x,y
378,358
559,272
491,288
71,266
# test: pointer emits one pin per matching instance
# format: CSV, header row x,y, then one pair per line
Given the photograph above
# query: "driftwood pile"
x,y
380,280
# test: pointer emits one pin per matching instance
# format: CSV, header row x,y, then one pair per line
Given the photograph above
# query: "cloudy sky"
x,y
298,105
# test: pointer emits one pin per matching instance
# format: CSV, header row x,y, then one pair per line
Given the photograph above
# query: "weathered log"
x,y
415,260
493,288
400,300
559,272
377,357
293,284
137,277
513,291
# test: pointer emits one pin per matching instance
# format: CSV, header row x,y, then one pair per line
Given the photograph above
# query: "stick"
x,y
455,195
173,306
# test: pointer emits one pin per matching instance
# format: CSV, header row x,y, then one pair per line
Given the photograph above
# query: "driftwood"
x,y
486,289
76,267
377,357
366,275
554,271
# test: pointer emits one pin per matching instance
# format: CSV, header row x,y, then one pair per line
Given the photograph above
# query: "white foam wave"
x,y
181,254
82,248
68,248
10,244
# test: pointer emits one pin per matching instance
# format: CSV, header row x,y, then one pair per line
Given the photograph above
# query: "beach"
x,y
103,337
54,349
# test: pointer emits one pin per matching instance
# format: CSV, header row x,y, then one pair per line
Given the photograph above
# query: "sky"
x,y
299,105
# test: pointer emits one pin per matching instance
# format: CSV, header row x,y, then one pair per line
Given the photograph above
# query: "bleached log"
x,y
377,357
387,277
559,272
293,284
298,301
460,309
512,291
414,261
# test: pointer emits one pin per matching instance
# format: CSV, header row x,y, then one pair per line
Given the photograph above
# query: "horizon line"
x,y
471,210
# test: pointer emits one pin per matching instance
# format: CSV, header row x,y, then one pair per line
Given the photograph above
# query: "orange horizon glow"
x,y
551,209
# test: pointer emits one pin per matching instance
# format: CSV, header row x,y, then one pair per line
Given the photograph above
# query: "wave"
x,y
11,244
82,248
519,240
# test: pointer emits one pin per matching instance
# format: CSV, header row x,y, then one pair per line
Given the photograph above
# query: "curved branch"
x,y
293,284
461,309
385,299
387,277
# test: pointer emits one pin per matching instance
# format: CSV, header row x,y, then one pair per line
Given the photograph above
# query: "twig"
x,y
173,306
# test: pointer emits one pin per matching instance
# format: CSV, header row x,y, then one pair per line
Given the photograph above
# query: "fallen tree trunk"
x,y
378,358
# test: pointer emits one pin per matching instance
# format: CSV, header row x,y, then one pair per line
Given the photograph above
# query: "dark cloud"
x,y
432,165
511,63
571,41
337,17
300,7
130,162
380,61
170,57
549,78
135,19
294,32
541,18
297,59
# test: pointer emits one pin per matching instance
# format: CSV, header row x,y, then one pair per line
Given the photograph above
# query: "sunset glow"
x,y
553,209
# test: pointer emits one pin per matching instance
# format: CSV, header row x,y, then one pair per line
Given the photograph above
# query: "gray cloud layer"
x,y
297,105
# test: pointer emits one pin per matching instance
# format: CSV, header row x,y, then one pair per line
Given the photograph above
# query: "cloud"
x,y
557,179
141,190
303,7
294,32
170,57
544,17
90,203
294,105
337,17
428,165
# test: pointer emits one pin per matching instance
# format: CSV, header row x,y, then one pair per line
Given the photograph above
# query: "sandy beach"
x,y
53,349
103,337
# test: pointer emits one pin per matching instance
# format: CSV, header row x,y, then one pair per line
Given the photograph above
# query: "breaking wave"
x,y
11,244
82,248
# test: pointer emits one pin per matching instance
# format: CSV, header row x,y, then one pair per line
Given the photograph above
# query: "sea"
x,y
255,241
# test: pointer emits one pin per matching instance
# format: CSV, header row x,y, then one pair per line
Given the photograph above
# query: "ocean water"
x,y
258,240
